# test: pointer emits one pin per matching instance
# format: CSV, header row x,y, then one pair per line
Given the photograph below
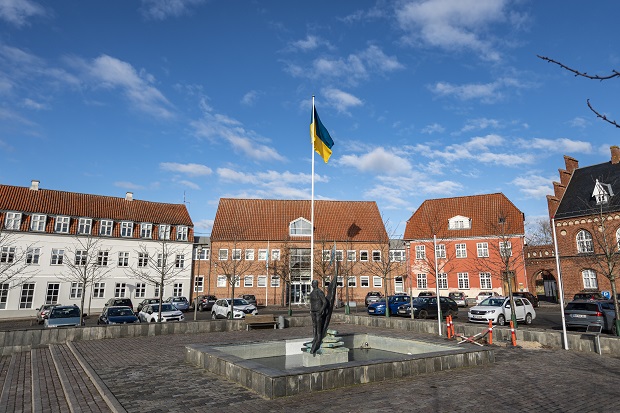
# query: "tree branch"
x,y
614,73
598,115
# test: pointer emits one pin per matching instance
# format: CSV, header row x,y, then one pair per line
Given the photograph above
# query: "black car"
x,y
205,302
146,301
426,307
114,302
525,294
250,298
594,295
372,297
117,315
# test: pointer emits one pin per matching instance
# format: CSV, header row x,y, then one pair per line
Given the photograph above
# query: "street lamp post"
x,y
198,253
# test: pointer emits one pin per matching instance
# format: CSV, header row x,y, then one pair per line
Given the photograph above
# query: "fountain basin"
x,y
246,363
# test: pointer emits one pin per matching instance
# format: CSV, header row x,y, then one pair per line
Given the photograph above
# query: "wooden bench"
x,y
260,320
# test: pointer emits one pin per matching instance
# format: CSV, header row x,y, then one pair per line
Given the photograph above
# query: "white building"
x,y
43,235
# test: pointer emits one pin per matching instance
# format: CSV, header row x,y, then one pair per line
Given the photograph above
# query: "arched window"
x,y
584,242
589,279
300,226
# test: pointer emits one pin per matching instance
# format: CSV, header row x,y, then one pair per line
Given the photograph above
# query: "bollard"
x,y
281,322
448,330
513,335
452,332
490,332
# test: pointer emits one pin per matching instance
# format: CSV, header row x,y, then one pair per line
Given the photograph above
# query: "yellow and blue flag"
x,y
320,137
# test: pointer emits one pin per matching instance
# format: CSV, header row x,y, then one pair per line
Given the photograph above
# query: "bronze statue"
x,y
321,308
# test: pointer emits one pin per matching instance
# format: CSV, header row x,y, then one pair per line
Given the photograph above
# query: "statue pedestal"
x,y
332,351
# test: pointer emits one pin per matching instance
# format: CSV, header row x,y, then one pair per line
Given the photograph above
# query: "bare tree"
x,y
87,263
159,263
577,73
16,263
538,232
234,268
282,270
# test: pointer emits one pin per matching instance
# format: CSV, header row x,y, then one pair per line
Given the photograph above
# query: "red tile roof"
x,y
431,218
50,202
268,219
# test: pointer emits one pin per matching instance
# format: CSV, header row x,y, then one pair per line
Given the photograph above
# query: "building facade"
x,y
68,248
262,247
585,214
466,244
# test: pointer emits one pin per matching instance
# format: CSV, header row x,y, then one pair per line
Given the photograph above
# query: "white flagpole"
x,y
561,285
267,280
312,198
437,286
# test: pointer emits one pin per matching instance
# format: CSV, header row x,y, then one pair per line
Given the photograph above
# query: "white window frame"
x,y
376,255
377,282
177,289
482,249
589,279
275,281
146,230
422,281
461,250
76,291
13,221
7,255
32,255
236,254
352,281
275,255
164,231
123,259
4,295
463,278
85,226
126,229
182,232
199,283
140,291
300,227
505,249
249,254
442,281
440,251
261,281
103,258
105,227
222,281
420,252
248,281
364,281
351,255
120,290
262,254
584,242
222,254
52,292
81,258
143,259
364,256
26,296
397,255
99,290
57,257
485,281
179,261
38,222
61,224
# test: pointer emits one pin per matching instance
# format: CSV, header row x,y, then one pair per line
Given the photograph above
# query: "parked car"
x,y
150,313
483,295
240,307
586,313
205,302
63,316
394,301
526,294
460,298
589,296
497,309
372,297
117,315
43,312
179,302
146,301
113,302
426,294
250,298
426,307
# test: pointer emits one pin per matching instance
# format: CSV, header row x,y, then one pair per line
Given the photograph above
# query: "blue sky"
x,y
194,100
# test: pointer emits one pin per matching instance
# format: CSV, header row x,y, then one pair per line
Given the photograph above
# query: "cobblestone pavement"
x,y
148,375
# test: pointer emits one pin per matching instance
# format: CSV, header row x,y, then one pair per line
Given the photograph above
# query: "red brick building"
x,y
585,210
467,244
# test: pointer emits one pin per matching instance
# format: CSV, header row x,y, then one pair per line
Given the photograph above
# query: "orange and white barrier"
x,y
490,340
513,334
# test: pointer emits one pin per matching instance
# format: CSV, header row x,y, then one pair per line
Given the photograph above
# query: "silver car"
x,y
64,316
180,303
587,313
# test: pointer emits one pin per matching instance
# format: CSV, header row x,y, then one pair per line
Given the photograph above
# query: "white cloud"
x,y
17,12
203,226
377,161
433,128
249,98
311,42
486,92
162,9
562,145
269,184
534,186
579,122
341,100
190,169
189,184
31,104
479,124
128,185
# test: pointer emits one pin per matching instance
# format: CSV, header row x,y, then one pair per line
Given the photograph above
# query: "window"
x,y
602,192
7,254
300,227
397,255
98,290
584,242
76,291
143,259
363,255
80,257
340,282
119,290
157,291
127,229
505,249
140,291
237,281
442,281
161,261
4,295
13,220
123,259
248,281
57,256
339,255
275,255
483,249
364,281
199,284
236,254
589,279
440,250
177,289
146,230
377,282
202,254
327,255
102,258
164,231
351,255
182,232
223,255
422,281
459,222
352,280
32,255
84,226
275,281
262,255
62,225
105,227
179,261
37,222
420,252
221,281
485,281
376,255
461,250
261,281
249,255
26,296
51,295
463,281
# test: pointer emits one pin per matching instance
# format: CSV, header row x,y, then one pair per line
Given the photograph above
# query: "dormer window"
x,y
602,192
459,222
300,227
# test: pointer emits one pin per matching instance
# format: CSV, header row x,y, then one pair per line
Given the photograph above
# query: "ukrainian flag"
x,y
320,137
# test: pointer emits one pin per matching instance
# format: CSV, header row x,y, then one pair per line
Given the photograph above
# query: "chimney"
x,y
615,154
571,164
129,196
34,185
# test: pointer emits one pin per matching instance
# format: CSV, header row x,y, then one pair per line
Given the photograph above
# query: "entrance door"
x,y
300,293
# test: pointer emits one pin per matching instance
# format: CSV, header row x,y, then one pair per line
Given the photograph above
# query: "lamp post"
x,y
198,253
